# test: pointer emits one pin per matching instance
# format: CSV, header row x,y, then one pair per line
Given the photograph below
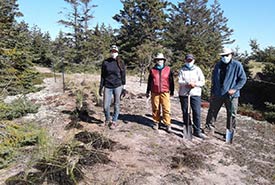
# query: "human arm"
x,y
102,80
149,84
171,83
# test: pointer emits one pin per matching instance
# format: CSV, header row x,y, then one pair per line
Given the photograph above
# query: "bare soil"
x,y
137,154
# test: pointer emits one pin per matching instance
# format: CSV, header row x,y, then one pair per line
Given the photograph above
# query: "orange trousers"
x,y
161,104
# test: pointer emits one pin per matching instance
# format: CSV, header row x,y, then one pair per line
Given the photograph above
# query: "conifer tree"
x,y
142,22
195,28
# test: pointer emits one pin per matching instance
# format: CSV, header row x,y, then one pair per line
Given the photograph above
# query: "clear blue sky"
x,y
250,19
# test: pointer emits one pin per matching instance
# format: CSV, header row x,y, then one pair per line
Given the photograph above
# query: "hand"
x,y
192,84
231,92
123,93
100,91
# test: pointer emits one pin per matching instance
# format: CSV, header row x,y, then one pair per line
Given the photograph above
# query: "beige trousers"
x,y
161,104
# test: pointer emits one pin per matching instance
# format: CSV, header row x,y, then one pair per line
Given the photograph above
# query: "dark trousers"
x,y
231,105
195,103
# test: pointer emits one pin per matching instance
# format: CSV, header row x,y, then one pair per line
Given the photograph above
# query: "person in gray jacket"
x,y
228,78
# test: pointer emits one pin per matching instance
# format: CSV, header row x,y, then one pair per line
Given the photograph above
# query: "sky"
x,y
250,19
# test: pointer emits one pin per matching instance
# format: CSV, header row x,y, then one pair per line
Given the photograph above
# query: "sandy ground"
x,y
156,157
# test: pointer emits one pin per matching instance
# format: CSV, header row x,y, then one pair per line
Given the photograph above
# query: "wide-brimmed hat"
x,y
159,56
114,48
226,51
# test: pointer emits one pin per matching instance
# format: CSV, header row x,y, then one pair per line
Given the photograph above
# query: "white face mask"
x,y
190,64
114,55
226,59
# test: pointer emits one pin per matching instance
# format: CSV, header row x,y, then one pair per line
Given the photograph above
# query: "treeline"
x,y
147,27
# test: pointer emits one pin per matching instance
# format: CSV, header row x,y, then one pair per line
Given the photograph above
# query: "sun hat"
x,y
159,56
114,48
226,51
189,57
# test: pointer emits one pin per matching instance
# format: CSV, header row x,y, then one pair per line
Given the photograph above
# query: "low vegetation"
x,y
17,108
15,137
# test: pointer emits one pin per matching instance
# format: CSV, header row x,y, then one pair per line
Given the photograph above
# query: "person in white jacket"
x,y
191,80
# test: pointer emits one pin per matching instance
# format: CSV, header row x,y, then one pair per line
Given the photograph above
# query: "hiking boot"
x,y
155,126
168,129
199,135
210,129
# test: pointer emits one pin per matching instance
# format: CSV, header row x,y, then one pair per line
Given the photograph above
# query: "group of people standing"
x,y
228,78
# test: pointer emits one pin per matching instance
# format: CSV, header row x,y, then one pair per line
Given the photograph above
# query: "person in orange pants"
x,y
161,85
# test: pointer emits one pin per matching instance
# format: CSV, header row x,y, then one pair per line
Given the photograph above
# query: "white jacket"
x,y
186,76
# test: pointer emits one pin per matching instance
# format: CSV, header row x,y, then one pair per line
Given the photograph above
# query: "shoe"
x,y
210,129
113,125
168,128
199,135
155,126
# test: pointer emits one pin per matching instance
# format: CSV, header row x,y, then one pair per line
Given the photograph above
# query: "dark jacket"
x,y
160,80
112,73
234,78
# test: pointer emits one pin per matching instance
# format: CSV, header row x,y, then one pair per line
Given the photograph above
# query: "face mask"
x,y
226,59
114,55
189,64
160,63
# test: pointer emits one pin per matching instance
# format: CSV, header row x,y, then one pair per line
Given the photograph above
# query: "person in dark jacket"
x,y
161,85
112,82
227,79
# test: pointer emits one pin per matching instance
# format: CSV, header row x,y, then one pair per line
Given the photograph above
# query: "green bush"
x,y
14,137
18,108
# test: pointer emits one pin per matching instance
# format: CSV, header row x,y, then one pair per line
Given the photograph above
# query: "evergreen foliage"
x,y
142,23
16,74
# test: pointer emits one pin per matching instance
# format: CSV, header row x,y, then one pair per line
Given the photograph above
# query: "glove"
x,y
100,91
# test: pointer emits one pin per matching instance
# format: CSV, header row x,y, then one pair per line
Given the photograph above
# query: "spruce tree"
x,y
142,22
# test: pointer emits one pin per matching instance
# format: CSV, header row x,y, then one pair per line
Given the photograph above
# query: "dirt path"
x,y
146,156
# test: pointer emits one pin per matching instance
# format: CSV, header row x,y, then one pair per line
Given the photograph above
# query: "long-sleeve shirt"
x,y
186,76
234,78
112,75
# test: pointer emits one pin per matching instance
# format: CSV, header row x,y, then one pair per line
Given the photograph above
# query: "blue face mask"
x,y
189,65
160,66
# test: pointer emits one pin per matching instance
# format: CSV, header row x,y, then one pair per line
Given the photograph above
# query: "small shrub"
x,y
18,108
14,136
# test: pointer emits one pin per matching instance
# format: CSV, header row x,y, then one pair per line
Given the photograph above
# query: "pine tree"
x,y
195,28
78,18
16,74
142,22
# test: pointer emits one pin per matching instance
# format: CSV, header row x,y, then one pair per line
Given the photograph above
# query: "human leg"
x,y
215,105
184,106
107,103
196,110
166,108
231,105
117,93
155,100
